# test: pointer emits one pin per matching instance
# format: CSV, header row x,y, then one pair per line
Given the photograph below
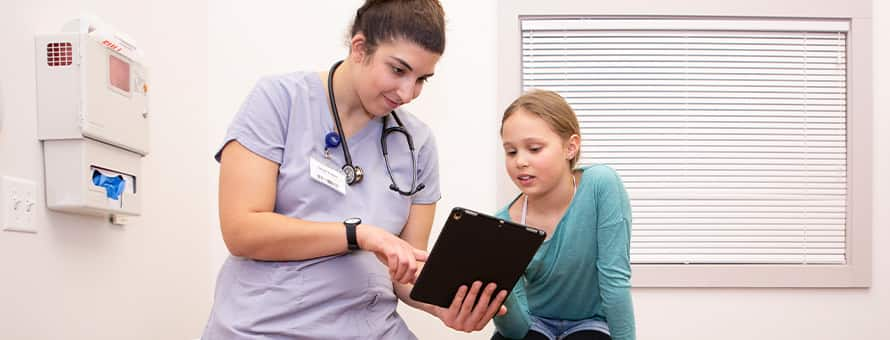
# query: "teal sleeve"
x,y
613,258
514,324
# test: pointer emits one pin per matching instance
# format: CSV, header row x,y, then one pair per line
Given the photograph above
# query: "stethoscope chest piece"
x,y
354,174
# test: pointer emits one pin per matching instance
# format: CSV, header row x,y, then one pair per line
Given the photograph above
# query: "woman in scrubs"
x,y
313,257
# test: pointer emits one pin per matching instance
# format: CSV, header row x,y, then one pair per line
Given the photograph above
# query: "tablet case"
x,y
475,247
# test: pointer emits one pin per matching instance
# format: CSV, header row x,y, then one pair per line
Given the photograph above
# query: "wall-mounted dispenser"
x,y
92,108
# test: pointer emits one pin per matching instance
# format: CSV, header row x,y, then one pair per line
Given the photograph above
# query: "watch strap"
x,y
351,240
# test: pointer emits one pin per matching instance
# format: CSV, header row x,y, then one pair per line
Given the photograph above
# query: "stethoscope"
x,y
354,173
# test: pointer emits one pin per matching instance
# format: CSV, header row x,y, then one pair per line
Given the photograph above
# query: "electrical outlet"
x,y
18,203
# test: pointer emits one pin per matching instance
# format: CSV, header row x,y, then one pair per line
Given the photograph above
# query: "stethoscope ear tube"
x,y
353,173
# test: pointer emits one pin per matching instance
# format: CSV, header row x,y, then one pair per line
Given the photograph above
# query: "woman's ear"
x,y
358,48
572,146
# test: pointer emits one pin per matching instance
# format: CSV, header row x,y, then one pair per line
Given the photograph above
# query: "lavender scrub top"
x,y
349,296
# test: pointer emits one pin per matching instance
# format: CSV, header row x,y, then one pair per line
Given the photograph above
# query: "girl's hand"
x,y
392,251
464,316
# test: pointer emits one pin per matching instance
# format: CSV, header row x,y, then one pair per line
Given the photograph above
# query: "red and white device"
x,y
93,117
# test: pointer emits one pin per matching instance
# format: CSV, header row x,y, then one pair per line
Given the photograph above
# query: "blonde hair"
x,y
553,109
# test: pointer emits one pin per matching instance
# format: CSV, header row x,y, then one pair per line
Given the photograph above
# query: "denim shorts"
x,y
555,329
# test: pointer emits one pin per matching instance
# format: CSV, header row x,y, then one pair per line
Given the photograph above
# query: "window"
x,y
731,135
119,74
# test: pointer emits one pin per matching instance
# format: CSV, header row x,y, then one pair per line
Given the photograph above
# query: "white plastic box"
x,y
92,105
71,166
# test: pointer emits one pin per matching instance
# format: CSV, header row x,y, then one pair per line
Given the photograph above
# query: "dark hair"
x,y
419,21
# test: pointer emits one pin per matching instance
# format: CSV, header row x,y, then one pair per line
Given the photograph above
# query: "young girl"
x,y
577,286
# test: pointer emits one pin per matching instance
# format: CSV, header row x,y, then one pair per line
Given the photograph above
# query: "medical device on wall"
x,y
93,118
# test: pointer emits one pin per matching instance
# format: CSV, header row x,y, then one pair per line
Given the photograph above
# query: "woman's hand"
x,y
464,316
392,251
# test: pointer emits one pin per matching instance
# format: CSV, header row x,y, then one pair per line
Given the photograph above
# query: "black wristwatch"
x,y
351,240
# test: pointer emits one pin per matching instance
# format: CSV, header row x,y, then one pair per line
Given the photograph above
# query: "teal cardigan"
x,y
583,270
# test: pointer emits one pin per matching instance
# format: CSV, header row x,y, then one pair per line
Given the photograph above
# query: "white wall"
x,y
79,277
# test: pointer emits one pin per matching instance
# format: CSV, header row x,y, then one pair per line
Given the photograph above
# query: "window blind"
x,y
729,134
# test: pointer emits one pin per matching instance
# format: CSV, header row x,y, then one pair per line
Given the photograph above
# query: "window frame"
x,y
856,272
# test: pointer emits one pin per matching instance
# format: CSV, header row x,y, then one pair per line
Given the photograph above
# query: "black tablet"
x,y
475,247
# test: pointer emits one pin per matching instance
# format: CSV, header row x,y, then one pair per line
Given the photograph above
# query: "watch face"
x,y
353,220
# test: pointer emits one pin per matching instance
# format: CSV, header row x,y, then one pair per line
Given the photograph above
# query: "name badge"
x,y
330,177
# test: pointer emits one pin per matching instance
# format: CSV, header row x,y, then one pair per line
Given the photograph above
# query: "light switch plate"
x,y
18,203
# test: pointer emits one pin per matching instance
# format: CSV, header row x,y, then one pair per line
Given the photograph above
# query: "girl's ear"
x,y
357,48
572,146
